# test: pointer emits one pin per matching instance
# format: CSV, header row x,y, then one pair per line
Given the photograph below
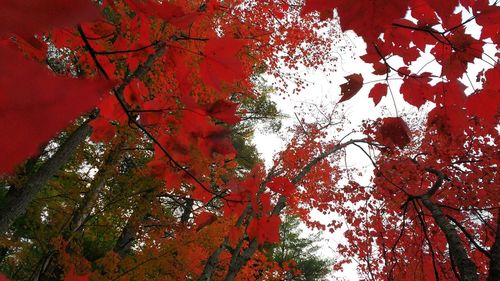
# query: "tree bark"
x,y
124,242
466,267
241,260
188,209
494,273
83,211
18,199
212,261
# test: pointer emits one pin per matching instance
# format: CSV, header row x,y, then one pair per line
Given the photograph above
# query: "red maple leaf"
x,y
324,7
73,276
369,18
463,49
377,92
416,90
221,63
224,111
351,87
169,12
204,219
265,229
32,111
489,95
281,185
31,16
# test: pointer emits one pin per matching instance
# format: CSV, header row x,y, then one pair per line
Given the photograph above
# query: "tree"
x,y
157,192
298,253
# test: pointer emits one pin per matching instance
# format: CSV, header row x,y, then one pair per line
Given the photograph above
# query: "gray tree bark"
x,y
19,198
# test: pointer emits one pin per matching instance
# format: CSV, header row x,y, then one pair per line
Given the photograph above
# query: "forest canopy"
x,y
127,147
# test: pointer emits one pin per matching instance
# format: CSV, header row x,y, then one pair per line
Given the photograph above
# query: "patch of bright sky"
x,y
322,91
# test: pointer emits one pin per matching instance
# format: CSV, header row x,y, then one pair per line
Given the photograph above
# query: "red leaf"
x,y
281,185
443,8
454,60
416,90
369,18
35,105
3,278
476,105
31,16
351,87
394,131
265,229
324,7
489,18
221,63
204,219
424,13
169,12
377,92
224,111
449,120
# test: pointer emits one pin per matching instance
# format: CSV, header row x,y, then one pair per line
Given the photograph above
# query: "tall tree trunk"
x,y
494,274
129,232
241,260
211,264
466,267
51,268
83,211
18,199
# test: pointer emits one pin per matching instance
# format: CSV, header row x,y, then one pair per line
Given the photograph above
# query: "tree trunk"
x,y
18,199
212,261
241,260
188,209
83,211
466,268
494,274
129,233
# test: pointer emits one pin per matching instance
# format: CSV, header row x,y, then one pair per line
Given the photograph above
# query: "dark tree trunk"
x,y
84,210
18,199
494,274
466,267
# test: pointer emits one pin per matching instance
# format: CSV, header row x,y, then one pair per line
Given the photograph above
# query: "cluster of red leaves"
x,y
438,27
167,69
460,140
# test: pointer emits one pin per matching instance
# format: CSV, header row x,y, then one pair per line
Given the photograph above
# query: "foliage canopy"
x,y
153,177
